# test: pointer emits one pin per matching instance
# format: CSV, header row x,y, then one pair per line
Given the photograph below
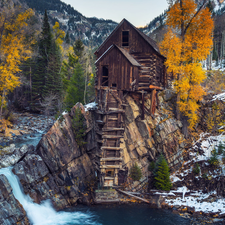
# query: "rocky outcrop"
x,y
11,155
59,169
145,139
11,211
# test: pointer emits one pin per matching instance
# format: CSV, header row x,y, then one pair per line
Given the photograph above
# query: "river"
x,y
44,213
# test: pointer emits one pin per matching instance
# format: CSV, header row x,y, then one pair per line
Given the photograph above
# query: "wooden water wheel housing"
x,y
128,61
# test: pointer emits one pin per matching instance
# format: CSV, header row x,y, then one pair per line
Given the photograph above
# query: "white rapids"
x,y
44,214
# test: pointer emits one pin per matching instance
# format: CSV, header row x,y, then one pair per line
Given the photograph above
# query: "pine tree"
x,y
78,48
47,80
79,127
67,38
45,44
162,175
75,90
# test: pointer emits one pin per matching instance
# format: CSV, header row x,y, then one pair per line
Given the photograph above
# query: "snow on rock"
x,y
207,145
90,106
219,97
199,201
174,178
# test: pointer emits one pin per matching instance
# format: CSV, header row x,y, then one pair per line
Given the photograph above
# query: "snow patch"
x,y
90,106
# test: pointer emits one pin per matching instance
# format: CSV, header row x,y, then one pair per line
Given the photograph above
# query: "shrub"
x,y
79,127
162,175
151,166
135,172
214,159
205,176
196,169
220,148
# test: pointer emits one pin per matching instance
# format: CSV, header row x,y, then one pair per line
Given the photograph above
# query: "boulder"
x,y
11,155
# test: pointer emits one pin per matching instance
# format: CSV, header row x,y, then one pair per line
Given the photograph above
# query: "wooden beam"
x,y
155,87
111,166
133,196
111,159
112,136
111,148
112,129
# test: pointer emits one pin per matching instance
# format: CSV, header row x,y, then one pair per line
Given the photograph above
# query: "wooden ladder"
x,y
111,132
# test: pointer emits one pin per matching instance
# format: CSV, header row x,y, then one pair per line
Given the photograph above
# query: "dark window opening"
x,y
105,76
125,38
109,173
114,85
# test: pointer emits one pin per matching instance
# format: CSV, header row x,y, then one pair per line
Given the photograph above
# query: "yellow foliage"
x,y
13,48
58,34
4,124
187,42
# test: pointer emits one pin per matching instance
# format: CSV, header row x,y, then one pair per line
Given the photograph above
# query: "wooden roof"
x,y
150,41
129,57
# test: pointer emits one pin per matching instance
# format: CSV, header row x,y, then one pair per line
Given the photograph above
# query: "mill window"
x,y
105,76
125,38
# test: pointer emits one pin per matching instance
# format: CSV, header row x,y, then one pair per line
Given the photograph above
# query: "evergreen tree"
x,y
53,78
78,48
75,90
47,79
67,38
162,175
45,43
135,172
79,127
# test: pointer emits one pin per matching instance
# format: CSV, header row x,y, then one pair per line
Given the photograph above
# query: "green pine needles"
x,y
135,172
79,127
162,174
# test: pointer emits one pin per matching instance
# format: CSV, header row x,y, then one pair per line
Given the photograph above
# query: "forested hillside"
x,y
92,31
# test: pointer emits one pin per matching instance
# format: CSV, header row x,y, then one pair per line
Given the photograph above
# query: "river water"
x,y
44,213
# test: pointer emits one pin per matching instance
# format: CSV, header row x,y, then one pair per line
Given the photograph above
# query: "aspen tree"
x,y
14,49
187,42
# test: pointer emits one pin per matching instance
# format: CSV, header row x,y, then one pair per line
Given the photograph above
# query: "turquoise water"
x,y
132,214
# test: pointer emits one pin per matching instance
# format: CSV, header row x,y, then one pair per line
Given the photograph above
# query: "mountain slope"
x,y
92,31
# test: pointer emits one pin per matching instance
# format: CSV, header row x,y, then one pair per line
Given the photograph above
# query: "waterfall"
x,y
44,214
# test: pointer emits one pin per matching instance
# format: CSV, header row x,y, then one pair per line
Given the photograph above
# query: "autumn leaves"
x,y
13,48
187,42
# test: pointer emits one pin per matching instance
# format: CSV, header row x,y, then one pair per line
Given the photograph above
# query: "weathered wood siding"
x,y
136,42
120,71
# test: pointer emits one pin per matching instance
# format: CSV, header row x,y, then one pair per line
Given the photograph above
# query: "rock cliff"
x,y
59,169
145,139
11,211
64,172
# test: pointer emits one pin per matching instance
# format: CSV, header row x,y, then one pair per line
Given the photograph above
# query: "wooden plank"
x,y
112,129
111,166
111,148
155,87
112,136
133,196
153,101
111,159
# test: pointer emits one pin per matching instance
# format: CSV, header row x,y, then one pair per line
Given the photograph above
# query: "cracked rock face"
x,y
11,211
59,169
145,139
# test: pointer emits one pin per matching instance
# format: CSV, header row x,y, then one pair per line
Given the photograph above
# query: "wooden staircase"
x,y
111,131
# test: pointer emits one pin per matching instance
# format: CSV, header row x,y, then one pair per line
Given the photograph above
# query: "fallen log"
x,y
133,196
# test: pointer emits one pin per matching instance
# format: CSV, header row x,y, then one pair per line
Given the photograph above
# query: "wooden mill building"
x,y
128,61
